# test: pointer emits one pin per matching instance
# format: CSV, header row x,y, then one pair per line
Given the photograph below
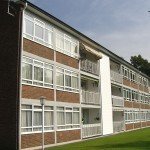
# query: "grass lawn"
x,y
134,140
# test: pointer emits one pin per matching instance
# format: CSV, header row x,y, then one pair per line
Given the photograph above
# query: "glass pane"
x,y
59,42
48,36
48,107
26,71
59,79
29,27
26,106
37,118
67,46
48,75
38,73
68,118
60,118
48,118
67,80
75,118
39,31
75,82
74,48
26,118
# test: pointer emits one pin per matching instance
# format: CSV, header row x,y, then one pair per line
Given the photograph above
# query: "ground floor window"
x,y
31,118
68,117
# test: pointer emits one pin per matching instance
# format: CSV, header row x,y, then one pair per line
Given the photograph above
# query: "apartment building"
x,y
88,91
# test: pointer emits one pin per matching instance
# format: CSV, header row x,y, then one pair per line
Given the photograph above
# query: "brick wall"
x,y
148,123
126,82
33,140
32,92
129,126
134,85
137,125
136,105
38,49
143,124
64,136
10,47
64,96
66,60
128,104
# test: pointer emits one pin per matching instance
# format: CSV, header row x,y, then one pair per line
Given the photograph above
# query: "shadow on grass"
x,y
143,145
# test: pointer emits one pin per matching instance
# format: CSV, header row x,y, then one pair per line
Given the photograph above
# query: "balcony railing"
x,y
90,66
116,77
90,97
118,126
90,130
117,101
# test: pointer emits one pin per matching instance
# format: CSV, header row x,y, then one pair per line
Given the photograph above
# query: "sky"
x,y
122,26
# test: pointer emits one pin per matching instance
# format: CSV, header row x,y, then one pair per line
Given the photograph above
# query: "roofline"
x,y
83,37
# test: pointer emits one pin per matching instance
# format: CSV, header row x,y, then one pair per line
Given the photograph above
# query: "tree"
x,y
141,64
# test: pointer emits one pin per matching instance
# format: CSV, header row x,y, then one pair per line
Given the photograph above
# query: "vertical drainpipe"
x,y
22,6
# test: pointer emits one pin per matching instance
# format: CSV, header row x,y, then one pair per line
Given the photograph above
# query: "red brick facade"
x,y
144,124
66,60
32,92
64,96
35,139
70,135
38,49
126,82
129,126
137,125
128,104
136,105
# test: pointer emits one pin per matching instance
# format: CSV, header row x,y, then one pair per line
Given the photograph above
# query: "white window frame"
x,y
64,87
68,126
34,127
33,81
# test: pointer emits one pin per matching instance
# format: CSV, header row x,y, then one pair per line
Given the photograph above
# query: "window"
x,y
26,118
66,44
37,30
31,118
129,116
29,28
134,95
143,116
27,70
41,32
36,72
67,117
67,80
127,94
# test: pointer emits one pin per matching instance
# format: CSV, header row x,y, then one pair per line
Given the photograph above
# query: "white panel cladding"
x,y
107,119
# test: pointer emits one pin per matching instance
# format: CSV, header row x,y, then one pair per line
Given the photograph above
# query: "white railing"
x,y
90,66
118,126
116,77
90,97
117,101
90,130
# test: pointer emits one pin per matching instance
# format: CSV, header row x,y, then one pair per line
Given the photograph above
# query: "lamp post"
x,y
42,102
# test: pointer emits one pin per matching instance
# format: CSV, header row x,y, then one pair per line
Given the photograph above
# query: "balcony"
x,y
89,66
117,101
90,97
89,130
118,126
116,77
